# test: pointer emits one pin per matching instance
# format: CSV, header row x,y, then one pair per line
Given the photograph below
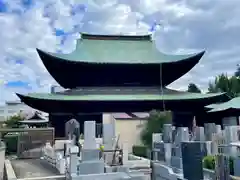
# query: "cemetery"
x,y
208,152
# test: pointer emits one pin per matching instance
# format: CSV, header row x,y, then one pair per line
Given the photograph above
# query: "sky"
x,y
53,25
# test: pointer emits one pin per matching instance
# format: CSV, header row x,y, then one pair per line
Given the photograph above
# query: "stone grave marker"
x,y
89,135
108,136
199,134
192,155
209,129
167,133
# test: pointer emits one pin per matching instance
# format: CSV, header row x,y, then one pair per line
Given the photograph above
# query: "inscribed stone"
x,y
89,135
199,134
167,133
192,155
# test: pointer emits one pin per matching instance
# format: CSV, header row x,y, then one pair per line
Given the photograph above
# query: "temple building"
x,y
118,73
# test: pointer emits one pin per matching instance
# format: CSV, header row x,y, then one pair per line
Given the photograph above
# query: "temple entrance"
x,y
58,120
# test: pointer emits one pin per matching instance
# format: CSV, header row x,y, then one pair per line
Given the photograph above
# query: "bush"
x,y
154,124
11,142
209,163
140,151
13,121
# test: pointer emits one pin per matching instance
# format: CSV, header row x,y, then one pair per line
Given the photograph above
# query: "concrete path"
x,y
33,168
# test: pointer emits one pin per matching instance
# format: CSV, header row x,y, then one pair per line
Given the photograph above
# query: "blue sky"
x,y
53,25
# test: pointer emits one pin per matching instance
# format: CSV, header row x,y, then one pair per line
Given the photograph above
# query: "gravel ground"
x,y
29,168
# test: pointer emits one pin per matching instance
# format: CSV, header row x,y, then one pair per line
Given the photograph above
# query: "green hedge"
x,y
140,151
11,142
209,163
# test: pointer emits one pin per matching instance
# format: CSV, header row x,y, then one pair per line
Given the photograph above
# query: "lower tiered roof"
x,y
118,99
232,105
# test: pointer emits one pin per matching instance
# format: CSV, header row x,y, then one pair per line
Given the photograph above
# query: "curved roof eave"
x,y
233,104
54,65
37,100
117,97
60,57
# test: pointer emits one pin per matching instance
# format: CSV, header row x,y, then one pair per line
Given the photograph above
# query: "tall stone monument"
x,y
192,155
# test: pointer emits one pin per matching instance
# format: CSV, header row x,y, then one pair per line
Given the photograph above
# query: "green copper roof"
x,y
119,51
211,106
120,97
232,104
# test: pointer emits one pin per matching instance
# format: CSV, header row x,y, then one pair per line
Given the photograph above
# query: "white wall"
x,y
130,131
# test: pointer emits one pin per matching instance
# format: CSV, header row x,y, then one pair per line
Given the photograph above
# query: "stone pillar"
x,y
218,129
229,121
222,170
168,152
231,135
182,136
89,135
125,152
209,129
192,154
167,133
108,136
199,134
73,160
156,138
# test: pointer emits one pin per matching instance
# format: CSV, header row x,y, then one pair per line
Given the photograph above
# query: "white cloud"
x,y
187,26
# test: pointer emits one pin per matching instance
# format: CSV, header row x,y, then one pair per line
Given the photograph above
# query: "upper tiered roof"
x,y
118,50
98,59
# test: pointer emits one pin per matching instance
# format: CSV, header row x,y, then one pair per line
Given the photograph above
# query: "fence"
x,y
31,140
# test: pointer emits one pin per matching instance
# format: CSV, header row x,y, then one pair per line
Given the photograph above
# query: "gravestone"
x,y
90,154
108,136
218,129
168,152
199,134
70,127
218,142
209,129
231,135
181,136
158,152
229,121
167,133
222,170
156,137
236,166
74,160
192,155
89,135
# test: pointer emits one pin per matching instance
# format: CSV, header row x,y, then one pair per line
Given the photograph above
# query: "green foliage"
x,y
223,83
193,88
209,163
154,124
140,151
11,141
237,73
13,121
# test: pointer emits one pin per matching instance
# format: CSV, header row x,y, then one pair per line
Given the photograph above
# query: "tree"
x,y
154,124
237,73
193,88
223,83
13,121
